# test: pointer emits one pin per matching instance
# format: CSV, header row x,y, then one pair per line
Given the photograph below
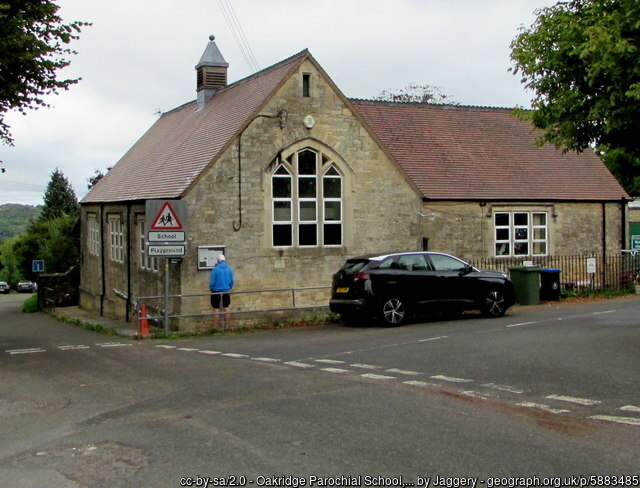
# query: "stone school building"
x,y
289,177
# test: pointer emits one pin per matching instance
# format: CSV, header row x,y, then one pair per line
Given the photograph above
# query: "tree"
x,y
97,176
59,198
414,93
32,50
581,58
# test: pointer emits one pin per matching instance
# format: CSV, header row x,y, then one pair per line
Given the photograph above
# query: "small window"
x,y
521,233
116,241
94,235
306,85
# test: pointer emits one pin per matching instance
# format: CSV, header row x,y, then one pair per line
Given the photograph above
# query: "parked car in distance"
x,y
392,287
4,287
26,287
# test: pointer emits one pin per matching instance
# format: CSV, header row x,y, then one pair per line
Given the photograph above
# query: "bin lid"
x,y
551,270
526,269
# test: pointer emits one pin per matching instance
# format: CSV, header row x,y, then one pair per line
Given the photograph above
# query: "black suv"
x,y
393,286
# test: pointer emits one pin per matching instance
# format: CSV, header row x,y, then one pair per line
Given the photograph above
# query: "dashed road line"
x,y
267,360
630,408
378,376
187,349
112,344
519,324
335,370
329,361
418,383
73,348
364,366
603,312
404,371
166,346
619,420
507,388
579,401
32,350
433,339
208,351
541,406
299,364
450,379
234,355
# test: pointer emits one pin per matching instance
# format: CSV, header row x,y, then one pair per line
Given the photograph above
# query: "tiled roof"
x,y
478,153
171,155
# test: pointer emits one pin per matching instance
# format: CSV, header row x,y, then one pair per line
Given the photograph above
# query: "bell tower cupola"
x,y
211,73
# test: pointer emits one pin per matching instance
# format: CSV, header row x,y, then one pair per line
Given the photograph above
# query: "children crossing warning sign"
x,y
166,219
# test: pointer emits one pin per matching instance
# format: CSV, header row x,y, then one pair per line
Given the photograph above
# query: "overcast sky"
x,y
138,58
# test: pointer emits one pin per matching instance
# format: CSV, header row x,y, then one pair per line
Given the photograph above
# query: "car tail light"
x,y
360,276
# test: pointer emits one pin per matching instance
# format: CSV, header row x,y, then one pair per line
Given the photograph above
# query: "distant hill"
x,y
14,218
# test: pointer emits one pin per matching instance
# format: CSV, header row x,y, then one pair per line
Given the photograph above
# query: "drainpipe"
x,y
102,263
282,122
128,302
604,240
623,222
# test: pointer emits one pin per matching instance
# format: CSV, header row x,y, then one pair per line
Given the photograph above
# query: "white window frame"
x,y
146,262
526,233
93,235
320,219
116,239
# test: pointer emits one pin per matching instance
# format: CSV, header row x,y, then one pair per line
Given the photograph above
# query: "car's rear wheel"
x,y
393,312
493,304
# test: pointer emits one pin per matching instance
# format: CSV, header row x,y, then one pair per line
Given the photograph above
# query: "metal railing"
x,y
613,272
159,315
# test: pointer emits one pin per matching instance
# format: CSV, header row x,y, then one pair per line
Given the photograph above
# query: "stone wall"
x,y
466,229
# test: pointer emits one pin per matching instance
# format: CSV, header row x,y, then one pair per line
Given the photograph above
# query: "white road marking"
x,y
329,361
520,324
73,348
187,349
450,379
207,351
335,370
541,406
113,344
364,366
474,394
630,408
418,383
606,311
235,355
433,339
510,389
165,346
25,351
377,376
267,360
299,365
580,401
619,420
404,371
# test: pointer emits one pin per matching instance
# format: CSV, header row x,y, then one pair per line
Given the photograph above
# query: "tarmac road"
x,y
470,398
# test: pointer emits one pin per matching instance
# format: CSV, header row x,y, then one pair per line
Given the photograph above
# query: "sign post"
x,y
166,237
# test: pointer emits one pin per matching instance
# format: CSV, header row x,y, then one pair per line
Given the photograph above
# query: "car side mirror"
x,y
466,270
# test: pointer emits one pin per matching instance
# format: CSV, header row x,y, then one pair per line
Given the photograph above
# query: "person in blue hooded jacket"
x,y
220,284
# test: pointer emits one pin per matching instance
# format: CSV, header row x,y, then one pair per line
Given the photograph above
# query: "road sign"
x,y
166,219
37,265
635,243
166,236
166,250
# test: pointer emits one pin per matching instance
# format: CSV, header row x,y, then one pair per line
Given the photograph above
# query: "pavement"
x,y
122,328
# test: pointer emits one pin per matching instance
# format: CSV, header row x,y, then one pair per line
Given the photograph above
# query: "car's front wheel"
x,y
493,304
393,312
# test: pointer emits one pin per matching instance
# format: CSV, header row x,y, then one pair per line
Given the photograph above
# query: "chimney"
x,y
211,73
